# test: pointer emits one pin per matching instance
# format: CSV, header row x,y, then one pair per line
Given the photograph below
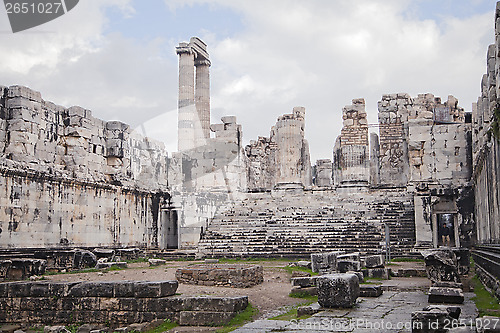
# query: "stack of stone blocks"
x,y
283,159
115,303
351,151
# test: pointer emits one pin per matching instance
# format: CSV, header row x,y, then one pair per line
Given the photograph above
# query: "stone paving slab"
x,y
388,313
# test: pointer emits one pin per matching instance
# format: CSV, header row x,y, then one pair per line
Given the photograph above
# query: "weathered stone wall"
x,y
69,179
323,173
351,153
227,275
112,303
283,159
486,147
393,158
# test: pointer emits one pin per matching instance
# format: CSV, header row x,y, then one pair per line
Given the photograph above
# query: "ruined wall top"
x,y
355,124
70,142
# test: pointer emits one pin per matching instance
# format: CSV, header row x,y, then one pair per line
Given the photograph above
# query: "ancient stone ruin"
x,y
76,190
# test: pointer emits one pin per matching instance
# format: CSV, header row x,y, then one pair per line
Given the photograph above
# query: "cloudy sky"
x,y
117,58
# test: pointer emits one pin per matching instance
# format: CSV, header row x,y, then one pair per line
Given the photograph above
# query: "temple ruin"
x,y
71,180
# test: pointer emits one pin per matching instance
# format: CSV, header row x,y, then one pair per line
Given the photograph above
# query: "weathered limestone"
x,y
446,295
114,303
351,154
323,171
324,263
21,269
441,265
337,290
283,160
432,321
236,276
370,291
376,261
486,171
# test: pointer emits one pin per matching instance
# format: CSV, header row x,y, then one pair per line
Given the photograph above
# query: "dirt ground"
x,y
266,297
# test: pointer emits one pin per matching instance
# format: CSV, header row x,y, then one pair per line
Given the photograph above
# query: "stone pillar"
x,y
202,97
290,140
186,107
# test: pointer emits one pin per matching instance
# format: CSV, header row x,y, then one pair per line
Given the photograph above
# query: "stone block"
x,y
377,273
324,262
156,262
20,91
337,290
92,289
359,275
344,266
217,304
308,310
446,295
366,290
434,321
195,318
441,265
376,261
155,289
297,274
124,289
309,291
304,282
453,311
118,264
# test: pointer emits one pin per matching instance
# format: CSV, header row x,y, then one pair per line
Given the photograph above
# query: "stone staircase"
x,y
297,224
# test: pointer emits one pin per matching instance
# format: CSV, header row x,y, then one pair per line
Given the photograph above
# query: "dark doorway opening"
x,y
446,229
171,228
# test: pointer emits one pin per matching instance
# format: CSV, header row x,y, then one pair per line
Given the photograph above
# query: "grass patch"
x,y
299,269
292,313
486,303
137,260
402,259
165,326
303,295
241,319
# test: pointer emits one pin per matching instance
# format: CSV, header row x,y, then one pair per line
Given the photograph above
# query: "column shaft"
x,y
202,97
186,107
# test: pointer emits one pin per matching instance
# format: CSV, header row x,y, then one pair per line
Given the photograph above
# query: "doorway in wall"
x,y
171,227
446,229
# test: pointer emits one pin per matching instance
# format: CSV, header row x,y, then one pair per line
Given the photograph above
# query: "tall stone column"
x,y
186,108
202,98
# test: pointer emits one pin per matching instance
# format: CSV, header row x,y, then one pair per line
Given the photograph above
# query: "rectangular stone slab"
x,y
446,295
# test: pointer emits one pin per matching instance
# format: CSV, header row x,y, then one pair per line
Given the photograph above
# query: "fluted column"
x,y
202,97
186,107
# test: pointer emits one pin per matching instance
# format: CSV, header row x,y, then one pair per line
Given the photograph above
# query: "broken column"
x,y
293,152
351,155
